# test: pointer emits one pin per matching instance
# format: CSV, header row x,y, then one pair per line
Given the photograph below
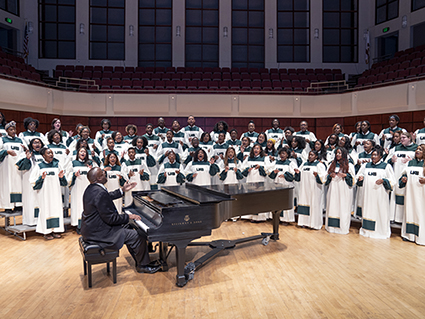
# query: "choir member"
x,y
254,169
131,130
30,133
234,141
2,125
167,146
153,139
276,132
420,135
377,179
137,172
161,130
200,170
245,149
413,180
283,173
66,137
46,178
207,144
288,132
298,149
120,145
191,130
306,134
104,133
230,172
11,149
26,165
220,127
179,135
338,130
386,135
190,152
116,177
251,134
399,157
219,148
261,140
365,134
340,179
171,172
77,178
310,176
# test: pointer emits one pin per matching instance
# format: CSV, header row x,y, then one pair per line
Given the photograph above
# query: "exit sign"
x,y
8,20
384,30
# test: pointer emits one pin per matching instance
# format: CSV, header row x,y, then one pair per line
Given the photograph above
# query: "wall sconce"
x,y
404,21
271,33
82,26
131,30
225,32
30,27
316,33
178,31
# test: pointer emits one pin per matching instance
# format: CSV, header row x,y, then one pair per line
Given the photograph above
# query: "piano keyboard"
x,y
141,224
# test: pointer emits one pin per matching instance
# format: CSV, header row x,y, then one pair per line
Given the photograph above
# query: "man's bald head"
x,y
96,175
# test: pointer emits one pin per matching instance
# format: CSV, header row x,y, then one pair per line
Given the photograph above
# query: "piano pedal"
x,y
189,271
151,248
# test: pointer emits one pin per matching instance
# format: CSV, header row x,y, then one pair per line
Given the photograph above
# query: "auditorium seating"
x,y
15,66
404,66
200,79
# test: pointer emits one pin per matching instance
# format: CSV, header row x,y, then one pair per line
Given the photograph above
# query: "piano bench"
x,y
93,254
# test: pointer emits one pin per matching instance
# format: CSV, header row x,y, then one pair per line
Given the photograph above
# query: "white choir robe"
x,y
78,185
230,177
214,136
420,136
204,170
397,196
28,136
256,175
376,205
285,176
339,199
307,135
141,180
167,174
49,196
360,137
208,148
59,152
30,207
114,182
11,177
413,227
388,137
310,212
359,193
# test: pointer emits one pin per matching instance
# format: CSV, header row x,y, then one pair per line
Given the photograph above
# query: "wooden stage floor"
x,y
306,274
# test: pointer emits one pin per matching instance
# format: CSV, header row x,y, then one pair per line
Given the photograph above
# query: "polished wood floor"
x,y
306,274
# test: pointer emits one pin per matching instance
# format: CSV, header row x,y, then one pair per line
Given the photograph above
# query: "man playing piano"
x,y
102,224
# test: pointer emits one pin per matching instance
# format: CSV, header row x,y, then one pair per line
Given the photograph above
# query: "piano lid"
x,y
197,194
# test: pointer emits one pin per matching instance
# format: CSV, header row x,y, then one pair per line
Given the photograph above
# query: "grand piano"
x,y
177,215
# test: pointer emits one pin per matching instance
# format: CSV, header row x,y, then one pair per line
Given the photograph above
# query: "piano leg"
x,y
276,215
181,279
163,255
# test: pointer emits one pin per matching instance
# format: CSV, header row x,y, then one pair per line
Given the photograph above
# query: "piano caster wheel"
x,y
189,271
265,240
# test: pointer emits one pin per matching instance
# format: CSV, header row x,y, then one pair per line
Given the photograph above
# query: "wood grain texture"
x,y
306,274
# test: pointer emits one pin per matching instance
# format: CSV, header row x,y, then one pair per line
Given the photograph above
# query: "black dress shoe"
x,y
148,269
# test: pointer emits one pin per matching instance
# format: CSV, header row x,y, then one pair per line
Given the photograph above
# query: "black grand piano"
x,y
176,215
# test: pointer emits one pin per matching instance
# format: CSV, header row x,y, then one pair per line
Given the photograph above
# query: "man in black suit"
x,y
101,223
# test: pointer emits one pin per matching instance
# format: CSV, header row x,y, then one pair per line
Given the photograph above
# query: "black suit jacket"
x,y
101,222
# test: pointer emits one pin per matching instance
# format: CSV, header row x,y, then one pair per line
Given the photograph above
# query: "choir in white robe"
x,y
360,137
59,152
254,176
339,199
11,177
114,182
78,185
397,196
30,207
420,136
376,206
204,171
168,176
231,176
28,136
141,180
388,137
310,212
285,176
49,197
413,227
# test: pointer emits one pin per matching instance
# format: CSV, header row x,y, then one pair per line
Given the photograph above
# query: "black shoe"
x,y
148,269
